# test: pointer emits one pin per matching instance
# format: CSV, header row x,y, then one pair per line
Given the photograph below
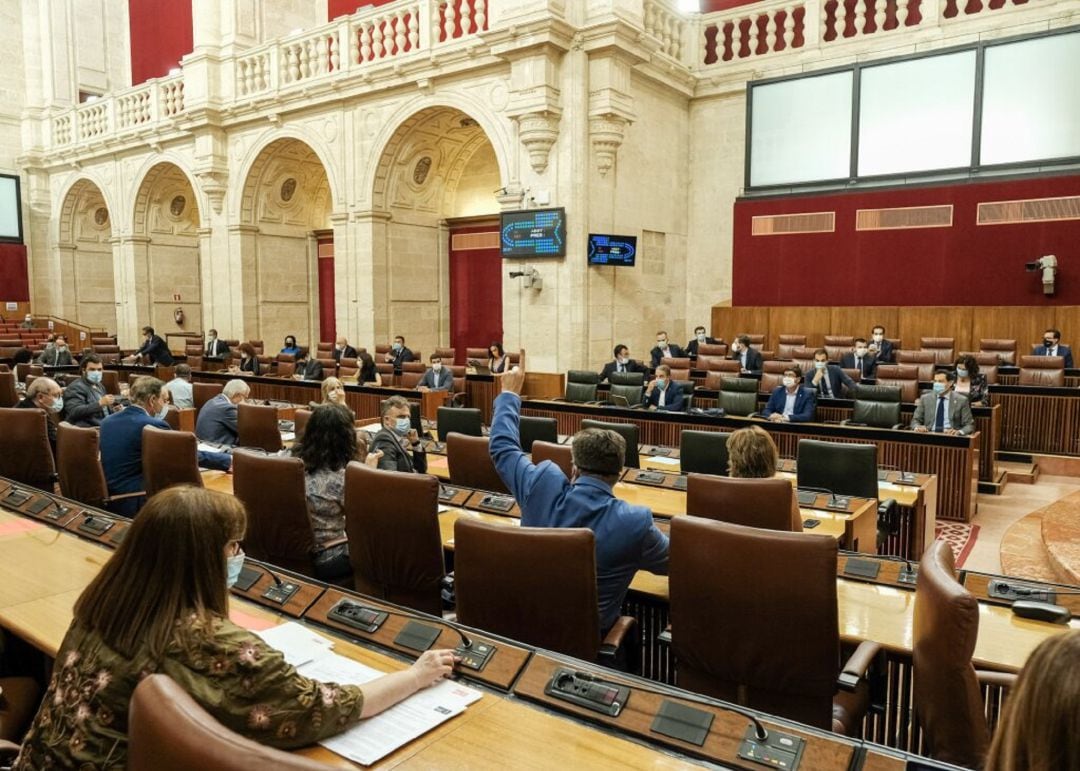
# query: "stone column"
x,y
131,281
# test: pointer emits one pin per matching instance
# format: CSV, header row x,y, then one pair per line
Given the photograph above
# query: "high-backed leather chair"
x,y
877,405
258,346
272,490
904,376
633,394
285,368
201,393
747,573
169,731
839,467
945,691
681,362
1042,370
944,348
470,463
1002,348
714,380
703,452
169,458
392,521
766,503
688,386
477,354
837,345
769,382
533,429
774,367
110,354
923,361
459,420
9,397
414,366
257,426
629,432
787,343
559,454
581,385
110,381
347,366
19,701
496,587
716,363
410,379
738,395
712,349
27,456
448,355
300,420
78,464
627,378
756,340
990,372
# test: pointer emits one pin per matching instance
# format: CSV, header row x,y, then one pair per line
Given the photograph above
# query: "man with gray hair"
x,y
398,441
121,443
626,538
44,394
217,419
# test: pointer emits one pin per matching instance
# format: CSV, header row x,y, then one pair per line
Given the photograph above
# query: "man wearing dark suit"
x,y
85,402
44,394
881,348
398,354
57,355
307,368
437,377
154,348
662,394
121,442
215,346
342,350
750,362
860,359
943,410
398,440
792,402
621,363
700,338
665,350
829,380
217,419
1052,347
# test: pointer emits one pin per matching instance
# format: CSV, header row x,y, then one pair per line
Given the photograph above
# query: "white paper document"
x,y
664,460
376,737
298,643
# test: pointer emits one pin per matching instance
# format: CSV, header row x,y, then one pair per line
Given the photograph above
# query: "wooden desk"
x,y
1039,420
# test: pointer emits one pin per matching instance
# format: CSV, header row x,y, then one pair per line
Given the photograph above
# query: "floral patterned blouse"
x,y
326,504
245,684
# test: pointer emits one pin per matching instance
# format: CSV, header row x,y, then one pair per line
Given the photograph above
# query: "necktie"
x,y
939,416
858,365
828,385
621,368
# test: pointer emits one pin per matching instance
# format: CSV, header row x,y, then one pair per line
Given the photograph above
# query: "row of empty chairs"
x,y
998,350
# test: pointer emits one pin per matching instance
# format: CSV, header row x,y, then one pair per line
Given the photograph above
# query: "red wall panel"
x,y
965,264
476,317
161,34
337,8
14,280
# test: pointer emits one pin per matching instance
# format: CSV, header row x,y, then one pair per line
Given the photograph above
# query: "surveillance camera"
x,y
1048,264
517,273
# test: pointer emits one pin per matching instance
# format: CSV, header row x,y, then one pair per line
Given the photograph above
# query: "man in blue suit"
x,y
662,394
829,380
437,377
1052,347
626,538
792,402
121,442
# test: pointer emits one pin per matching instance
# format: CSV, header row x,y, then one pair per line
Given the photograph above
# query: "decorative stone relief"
x,y
606,132
214,185
538,132
499,96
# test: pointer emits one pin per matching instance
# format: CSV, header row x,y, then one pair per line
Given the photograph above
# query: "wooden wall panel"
x,y
728,322
1025,325
859,320
791,320
935,321
1067,319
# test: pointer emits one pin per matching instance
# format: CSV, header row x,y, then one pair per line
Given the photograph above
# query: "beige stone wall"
x,y
475,194
284,289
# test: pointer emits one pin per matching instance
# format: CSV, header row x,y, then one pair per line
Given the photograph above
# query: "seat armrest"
x,y
898,427
122,496
617,634
857,665
8,749
1000,679
333,542
620,649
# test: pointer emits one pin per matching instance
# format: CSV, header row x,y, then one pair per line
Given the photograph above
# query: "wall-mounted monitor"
x,y
10,210
533,233
620,251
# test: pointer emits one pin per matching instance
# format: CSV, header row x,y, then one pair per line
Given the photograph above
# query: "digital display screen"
x,y
10,209
533,233
612,250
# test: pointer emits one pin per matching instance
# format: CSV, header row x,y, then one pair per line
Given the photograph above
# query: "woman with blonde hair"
x,y
333,391
161,605
752,454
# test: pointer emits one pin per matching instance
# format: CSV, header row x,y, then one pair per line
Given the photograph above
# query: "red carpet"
x,y
960,537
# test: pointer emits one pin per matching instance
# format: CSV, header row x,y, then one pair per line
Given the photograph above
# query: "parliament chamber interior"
x,y
540,384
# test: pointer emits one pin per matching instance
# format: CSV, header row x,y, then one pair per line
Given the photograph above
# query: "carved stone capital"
x,y
214,184
607,133
538,132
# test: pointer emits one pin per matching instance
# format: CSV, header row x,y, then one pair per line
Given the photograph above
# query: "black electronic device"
x,y
281,593
655,478
1042,611
659,451
862,568
810,524
447,493
908,574
533,233
838,502
16,498
41,504
248,578
95,524
617,251
417,636
807,497
682,722
679,483
358,616
1014,590
476,656
777,750
587,691
497,502
286,426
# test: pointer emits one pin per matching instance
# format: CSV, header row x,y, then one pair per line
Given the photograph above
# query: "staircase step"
x,y
1021,473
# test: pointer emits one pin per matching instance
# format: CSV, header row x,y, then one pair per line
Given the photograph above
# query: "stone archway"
x,y
86,257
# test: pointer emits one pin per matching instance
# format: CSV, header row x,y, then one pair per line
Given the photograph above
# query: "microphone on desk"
x,y
830,493
281,591
359,607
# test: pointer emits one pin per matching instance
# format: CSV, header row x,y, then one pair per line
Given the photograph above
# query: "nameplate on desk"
x,y
679,483
95,525
808,498
357,616
417,636
682,722
497,502
862,568
655,478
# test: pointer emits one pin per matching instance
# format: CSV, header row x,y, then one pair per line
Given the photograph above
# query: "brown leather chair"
x,y
110,354
769,382
923,361
716,363
559,454
9,397
496,585
479,354
681,362
714,381
257,426
787,343
1003,349
905,376
27,456
285,368
272,489
169,731
990,372
414,366
201,393
773,367
300,419
943,348
19,697
946,687
448,355
746,573
347,367
837,345
258,346
982,358
470,463
410,379
719,348
395,546
756,340
78,462
803,358
1042,370
169,458
764,503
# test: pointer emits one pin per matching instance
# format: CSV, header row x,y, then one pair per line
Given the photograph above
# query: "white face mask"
x,y
333,395
661,343
789,382
436,366
878,338
860,351
701,337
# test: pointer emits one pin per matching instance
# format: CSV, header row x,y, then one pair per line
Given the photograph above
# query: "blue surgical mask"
x,y
939,388
402,425
162,412
235,564
94,376
397,346
701,337
58,404
961,372
820,364
661,383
